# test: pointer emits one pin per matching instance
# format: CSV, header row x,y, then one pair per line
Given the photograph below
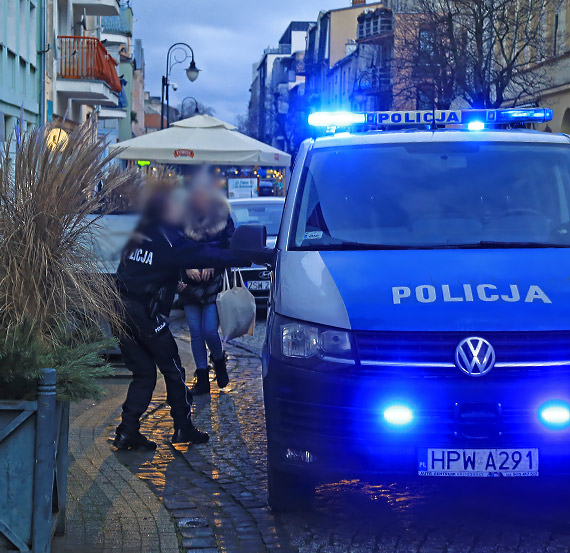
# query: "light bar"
x,y
336,119
475,119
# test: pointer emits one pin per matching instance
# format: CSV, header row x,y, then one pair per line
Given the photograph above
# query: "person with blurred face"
x,y
151,263
207,221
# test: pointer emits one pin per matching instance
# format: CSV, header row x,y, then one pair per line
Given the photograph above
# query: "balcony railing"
x,y
82,57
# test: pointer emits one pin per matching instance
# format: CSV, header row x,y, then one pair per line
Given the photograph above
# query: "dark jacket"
x,y
216,231
152,262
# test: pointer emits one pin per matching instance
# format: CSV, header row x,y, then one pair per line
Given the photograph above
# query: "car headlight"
x,y
305,340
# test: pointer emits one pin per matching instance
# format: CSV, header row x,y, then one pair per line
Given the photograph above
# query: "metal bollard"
x,y
45,463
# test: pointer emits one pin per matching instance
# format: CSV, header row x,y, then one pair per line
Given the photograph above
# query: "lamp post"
x,y
179,52
196,108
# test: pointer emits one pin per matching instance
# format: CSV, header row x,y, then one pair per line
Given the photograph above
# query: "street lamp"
x,y
179,52
196,108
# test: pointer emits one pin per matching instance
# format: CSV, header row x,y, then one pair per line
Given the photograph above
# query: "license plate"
x,y
258,285
478,462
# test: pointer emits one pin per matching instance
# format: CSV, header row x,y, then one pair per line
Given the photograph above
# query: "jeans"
x,y
203,323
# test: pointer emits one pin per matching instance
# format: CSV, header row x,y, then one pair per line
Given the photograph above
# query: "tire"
x,y
288,492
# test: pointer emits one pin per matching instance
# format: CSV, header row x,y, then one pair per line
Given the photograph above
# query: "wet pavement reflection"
x,y
218,493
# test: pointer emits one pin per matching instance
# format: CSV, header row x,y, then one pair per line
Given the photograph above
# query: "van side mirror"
x,y
252,239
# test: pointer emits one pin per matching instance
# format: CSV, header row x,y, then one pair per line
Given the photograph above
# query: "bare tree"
x,y
485,52
288,114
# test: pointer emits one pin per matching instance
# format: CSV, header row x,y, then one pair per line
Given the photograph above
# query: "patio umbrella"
x,y
202,139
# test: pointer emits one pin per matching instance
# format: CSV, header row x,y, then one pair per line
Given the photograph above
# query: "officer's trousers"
x,y
145,344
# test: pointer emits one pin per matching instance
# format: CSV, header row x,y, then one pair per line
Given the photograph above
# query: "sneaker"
x,y
202,385
123,442
220,366
189,434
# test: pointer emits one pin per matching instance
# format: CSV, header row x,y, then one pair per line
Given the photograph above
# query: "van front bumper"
x,y
329,424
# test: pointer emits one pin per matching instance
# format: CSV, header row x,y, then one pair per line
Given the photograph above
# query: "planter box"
x,y
33,469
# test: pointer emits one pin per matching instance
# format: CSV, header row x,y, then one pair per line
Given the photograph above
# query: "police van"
x,y
420,312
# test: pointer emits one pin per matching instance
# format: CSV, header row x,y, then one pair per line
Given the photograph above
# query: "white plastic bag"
x,y
236,309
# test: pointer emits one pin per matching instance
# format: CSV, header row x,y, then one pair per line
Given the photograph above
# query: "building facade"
x,y
273,76
555,93
21,61
60,60
81,75
342,61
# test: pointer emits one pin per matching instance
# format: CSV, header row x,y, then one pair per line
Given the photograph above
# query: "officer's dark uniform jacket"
x,y
155,261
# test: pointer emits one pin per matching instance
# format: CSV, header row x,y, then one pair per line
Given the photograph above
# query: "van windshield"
x,y
432,195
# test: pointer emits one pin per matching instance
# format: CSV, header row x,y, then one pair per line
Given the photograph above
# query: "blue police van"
x,y
420,312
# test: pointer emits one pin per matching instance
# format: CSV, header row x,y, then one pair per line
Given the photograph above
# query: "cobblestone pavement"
x,y
217,492
109,509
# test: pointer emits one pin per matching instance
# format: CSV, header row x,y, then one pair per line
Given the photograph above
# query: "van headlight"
x,y
305,340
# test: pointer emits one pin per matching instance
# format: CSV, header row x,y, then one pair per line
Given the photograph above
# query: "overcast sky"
x,y
227,36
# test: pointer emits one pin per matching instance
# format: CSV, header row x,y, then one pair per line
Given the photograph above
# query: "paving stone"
x,y
198,543
192,522
201,532
176,504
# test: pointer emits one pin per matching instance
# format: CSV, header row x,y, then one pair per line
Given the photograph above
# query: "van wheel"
x,y
288,492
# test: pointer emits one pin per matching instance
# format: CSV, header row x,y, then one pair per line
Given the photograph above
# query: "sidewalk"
x,y
198,499
109,508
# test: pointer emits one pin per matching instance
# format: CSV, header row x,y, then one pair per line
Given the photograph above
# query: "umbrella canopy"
x,y
201,139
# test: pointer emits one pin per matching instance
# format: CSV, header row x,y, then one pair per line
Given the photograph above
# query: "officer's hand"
x,y
194,274
207,274
181,286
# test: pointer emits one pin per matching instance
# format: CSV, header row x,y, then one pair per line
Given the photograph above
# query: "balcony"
x,y
97,7
87,73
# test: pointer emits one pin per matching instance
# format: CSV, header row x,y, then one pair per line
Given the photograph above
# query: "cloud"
x,y
228,37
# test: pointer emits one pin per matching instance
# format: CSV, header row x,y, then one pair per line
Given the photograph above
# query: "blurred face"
x,y
201,201
174,210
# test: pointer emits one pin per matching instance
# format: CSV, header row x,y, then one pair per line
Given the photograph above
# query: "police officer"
x,y
151,263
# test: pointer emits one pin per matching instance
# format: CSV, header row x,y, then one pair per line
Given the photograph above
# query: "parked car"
x,y
266,211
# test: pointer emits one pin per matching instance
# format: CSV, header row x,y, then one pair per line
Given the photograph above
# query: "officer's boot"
x,y
124,442
202,385
220,366
189,434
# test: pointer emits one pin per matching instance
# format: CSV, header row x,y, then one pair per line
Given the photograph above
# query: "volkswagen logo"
x,y
474,356
265,275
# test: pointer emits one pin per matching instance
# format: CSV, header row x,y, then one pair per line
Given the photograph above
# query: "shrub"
x,y
52,297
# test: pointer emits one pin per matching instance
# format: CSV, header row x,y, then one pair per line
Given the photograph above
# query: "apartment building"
x,y
81,75
278,66
555,93
69,60
21,59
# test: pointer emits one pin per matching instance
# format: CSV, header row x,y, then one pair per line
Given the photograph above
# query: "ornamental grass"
x,y
52,297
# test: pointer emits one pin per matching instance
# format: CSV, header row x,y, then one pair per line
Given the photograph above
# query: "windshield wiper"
x,y
490,244
356,246
483,244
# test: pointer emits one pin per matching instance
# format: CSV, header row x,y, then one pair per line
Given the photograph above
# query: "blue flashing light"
x,y
473,119
476,126
336,119
555,415
398,414
527,115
